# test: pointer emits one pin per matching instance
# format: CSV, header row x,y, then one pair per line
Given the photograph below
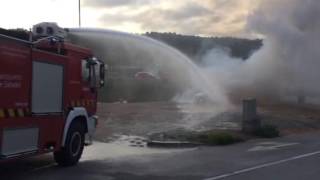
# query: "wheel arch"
x,y
78,114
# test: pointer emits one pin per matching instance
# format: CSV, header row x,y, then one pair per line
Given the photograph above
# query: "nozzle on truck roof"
x,y
47,29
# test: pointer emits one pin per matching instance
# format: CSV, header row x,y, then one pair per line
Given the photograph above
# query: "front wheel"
x,y
71,153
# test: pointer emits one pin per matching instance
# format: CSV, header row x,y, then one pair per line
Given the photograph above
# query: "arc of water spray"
x,y
203,82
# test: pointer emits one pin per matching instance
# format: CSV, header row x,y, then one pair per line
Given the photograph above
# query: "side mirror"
x,y
102,75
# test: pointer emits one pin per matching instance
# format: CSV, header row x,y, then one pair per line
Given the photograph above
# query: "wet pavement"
x,y
274,158
145,119
120,151
100,161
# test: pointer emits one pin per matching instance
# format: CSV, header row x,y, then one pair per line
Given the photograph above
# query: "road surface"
x,y
293,157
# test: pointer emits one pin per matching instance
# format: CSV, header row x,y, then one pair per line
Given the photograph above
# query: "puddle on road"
x,y
125,146
132,141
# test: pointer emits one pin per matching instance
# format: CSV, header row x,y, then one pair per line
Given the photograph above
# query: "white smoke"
x,y
286,67
289,61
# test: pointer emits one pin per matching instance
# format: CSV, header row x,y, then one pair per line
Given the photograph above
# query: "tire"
x,y
70,154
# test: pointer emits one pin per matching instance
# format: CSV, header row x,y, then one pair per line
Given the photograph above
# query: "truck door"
x,y
92,78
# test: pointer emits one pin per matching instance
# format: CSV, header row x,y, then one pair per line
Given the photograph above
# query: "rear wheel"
x,y
71,153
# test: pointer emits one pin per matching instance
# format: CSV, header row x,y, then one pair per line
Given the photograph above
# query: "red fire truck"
x,y
48,95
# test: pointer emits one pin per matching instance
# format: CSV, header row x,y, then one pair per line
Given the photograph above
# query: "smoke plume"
x,y
289,62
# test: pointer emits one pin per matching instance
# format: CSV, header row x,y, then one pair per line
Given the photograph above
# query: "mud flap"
x,y
92,125
88,140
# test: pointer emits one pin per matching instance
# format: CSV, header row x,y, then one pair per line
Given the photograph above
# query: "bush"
x,y
218,138
268,131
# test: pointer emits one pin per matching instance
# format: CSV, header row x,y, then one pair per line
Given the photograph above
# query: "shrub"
x,y
267,131
218,138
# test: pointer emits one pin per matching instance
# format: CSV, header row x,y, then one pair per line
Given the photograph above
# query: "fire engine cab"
x,y
48,95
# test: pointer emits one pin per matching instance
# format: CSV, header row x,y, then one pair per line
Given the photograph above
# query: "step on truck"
x,y
48,94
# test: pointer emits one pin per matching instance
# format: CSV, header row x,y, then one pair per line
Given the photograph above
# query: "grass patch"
x,y
267,131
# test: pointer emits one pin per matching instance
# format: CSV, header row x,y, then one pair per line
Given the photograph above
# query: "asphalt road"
x,y
292,157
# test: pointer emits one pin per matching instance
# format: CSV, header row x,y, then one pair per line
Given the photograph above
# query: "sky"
x,y
191,17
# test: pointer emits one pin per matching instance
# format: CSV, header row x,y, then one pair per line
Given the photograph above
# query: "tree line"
x,y
196,46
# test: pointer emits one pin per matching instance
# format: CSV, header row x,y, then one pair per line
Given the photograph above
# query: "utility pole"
x,y
79,13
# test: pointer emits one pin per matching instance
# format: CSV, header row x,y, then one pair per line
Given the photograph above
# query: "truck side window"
x,y
85,71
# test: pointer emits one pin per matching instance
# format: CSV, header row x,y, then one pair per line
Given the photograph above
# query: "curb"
x,y
172,144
